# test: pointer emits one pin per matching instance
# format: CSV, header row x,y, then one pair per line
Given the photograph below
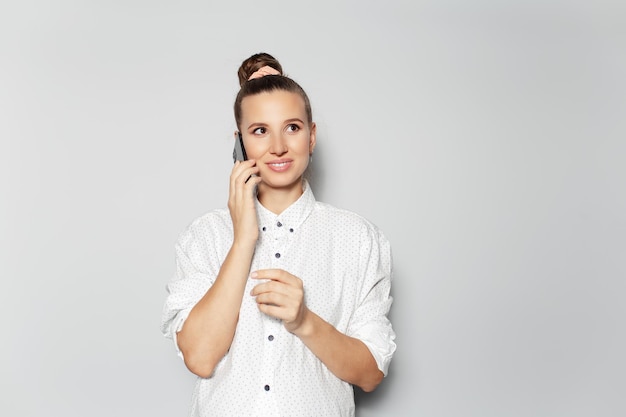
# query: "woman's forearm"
x,y
209,329
346,357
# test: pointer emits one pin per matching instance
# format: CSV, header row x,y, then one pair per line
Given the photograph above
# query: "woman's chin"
x,y
284,183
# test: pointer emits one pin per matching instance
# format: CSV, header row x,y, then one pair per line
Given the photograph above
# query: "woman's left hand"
x,y
282,297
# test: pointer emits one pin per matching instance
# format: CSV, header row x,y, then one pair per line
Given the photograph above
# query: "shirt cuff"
x,y
177,325
380,344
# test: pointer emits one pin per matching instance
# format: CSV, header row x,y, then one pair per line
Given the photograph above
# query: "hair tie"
x,y
263,71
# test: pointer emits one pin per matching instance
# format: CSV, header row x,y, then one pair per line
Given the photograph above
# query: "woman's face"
x,y
277,135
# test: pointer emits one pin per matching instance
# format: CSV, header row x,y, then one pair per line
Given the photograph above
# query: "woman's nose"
x,y
278,146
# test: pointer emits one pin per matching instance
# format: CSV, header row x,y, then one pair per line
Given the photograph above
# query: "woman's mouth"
x,y
279,166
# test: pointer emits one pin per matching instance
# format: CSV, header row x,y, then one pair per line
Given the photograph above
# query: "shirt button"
x,y
279,224
267,388
263,228
277,255
291,230
270,337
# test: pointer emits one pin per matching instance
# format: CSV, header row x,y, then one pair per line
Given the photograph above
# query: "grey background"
x,y
485,138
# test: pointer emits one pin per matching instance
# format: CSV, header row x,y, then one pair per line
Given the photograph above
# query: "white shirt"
x,y
344,262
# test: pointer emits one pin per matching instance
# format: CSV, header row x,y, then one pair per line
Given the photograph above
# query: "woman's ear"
x,y
312,138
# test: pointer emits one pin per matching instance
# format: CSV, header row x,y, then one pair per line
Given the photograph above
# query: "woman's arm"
x,y
210,327
208,331
346,357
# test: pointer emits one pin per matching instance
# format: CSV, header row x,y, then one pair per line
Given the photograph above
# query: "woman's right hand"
x,y
241,202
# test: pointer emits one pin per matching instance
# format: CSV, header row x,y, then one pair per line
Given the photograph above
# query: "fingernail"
x,y
254,274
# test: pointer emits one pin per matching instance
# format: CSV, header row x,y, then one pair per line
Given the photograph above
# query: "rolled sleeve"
x,y
186,288
176,326
369,322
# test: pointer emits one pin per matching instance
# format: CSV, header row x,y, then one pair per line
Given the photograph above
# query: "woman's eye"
x,y
259,131
293,128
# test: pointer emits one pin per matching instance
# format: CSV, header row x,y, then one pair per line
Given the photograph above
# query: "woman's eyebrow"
x,y
295,119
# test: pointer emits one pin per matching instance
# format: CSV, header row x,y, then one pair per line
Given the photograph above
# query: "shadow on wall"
x,y
371,400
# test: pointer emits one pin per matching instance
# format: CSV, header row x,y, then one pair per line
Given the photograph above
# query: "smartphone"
x,y
239,153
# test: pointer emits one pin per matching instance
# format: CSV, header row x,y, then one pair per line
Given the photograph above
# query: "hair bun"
x,y
254,63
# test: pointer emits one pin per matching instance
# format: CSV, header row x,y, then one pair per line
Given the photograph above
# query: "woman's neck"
x,y
277,200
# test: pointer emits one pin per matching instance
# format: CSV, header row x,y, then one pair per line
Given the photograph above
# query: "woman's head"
x,y
274,119
267,83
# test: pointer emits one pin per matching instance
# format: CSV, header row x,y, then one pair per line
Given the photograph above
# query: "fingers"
x,y
290,289
243,179
279,282
279,312
281,296
281,288
279,275
279,300
242,170
241,201
274,299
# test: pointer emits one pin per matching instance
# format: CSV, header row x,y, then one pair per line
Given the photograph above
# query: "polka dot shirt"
x,y
345,264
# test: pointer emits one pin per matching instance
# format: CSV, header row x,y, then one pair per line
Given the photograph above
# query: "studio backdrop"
x,y
486,139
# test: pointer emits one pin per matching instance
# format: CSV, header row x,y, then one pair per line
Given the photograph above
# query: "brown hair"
x,y
267,83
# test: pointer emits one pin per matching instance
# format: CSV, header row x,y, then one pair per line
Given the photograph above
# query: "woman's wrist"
x,y
306,327
244,244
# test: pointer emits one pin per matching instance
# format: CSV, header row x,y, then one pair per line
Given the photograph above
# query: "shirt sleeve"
x,y
370,323
189,284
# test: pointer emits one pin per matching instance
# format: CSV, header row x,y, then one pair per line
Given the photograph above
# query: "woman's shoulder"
x,y
347,219
216,221
218,215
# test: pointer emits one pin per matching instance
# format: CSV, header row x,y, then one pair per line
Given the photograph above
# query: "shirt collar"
x,y
293,216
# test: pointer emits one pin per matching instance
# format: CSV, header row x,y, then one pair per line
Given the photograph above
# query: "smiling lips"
x,y
279,165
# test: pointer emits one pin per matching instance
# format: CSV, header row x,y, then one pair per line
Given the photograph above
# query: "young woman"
x,y
279,303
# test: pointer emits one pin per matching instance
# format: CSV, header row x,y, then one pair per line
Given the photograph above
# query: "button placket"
x,y
271,353
275,238
278,243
